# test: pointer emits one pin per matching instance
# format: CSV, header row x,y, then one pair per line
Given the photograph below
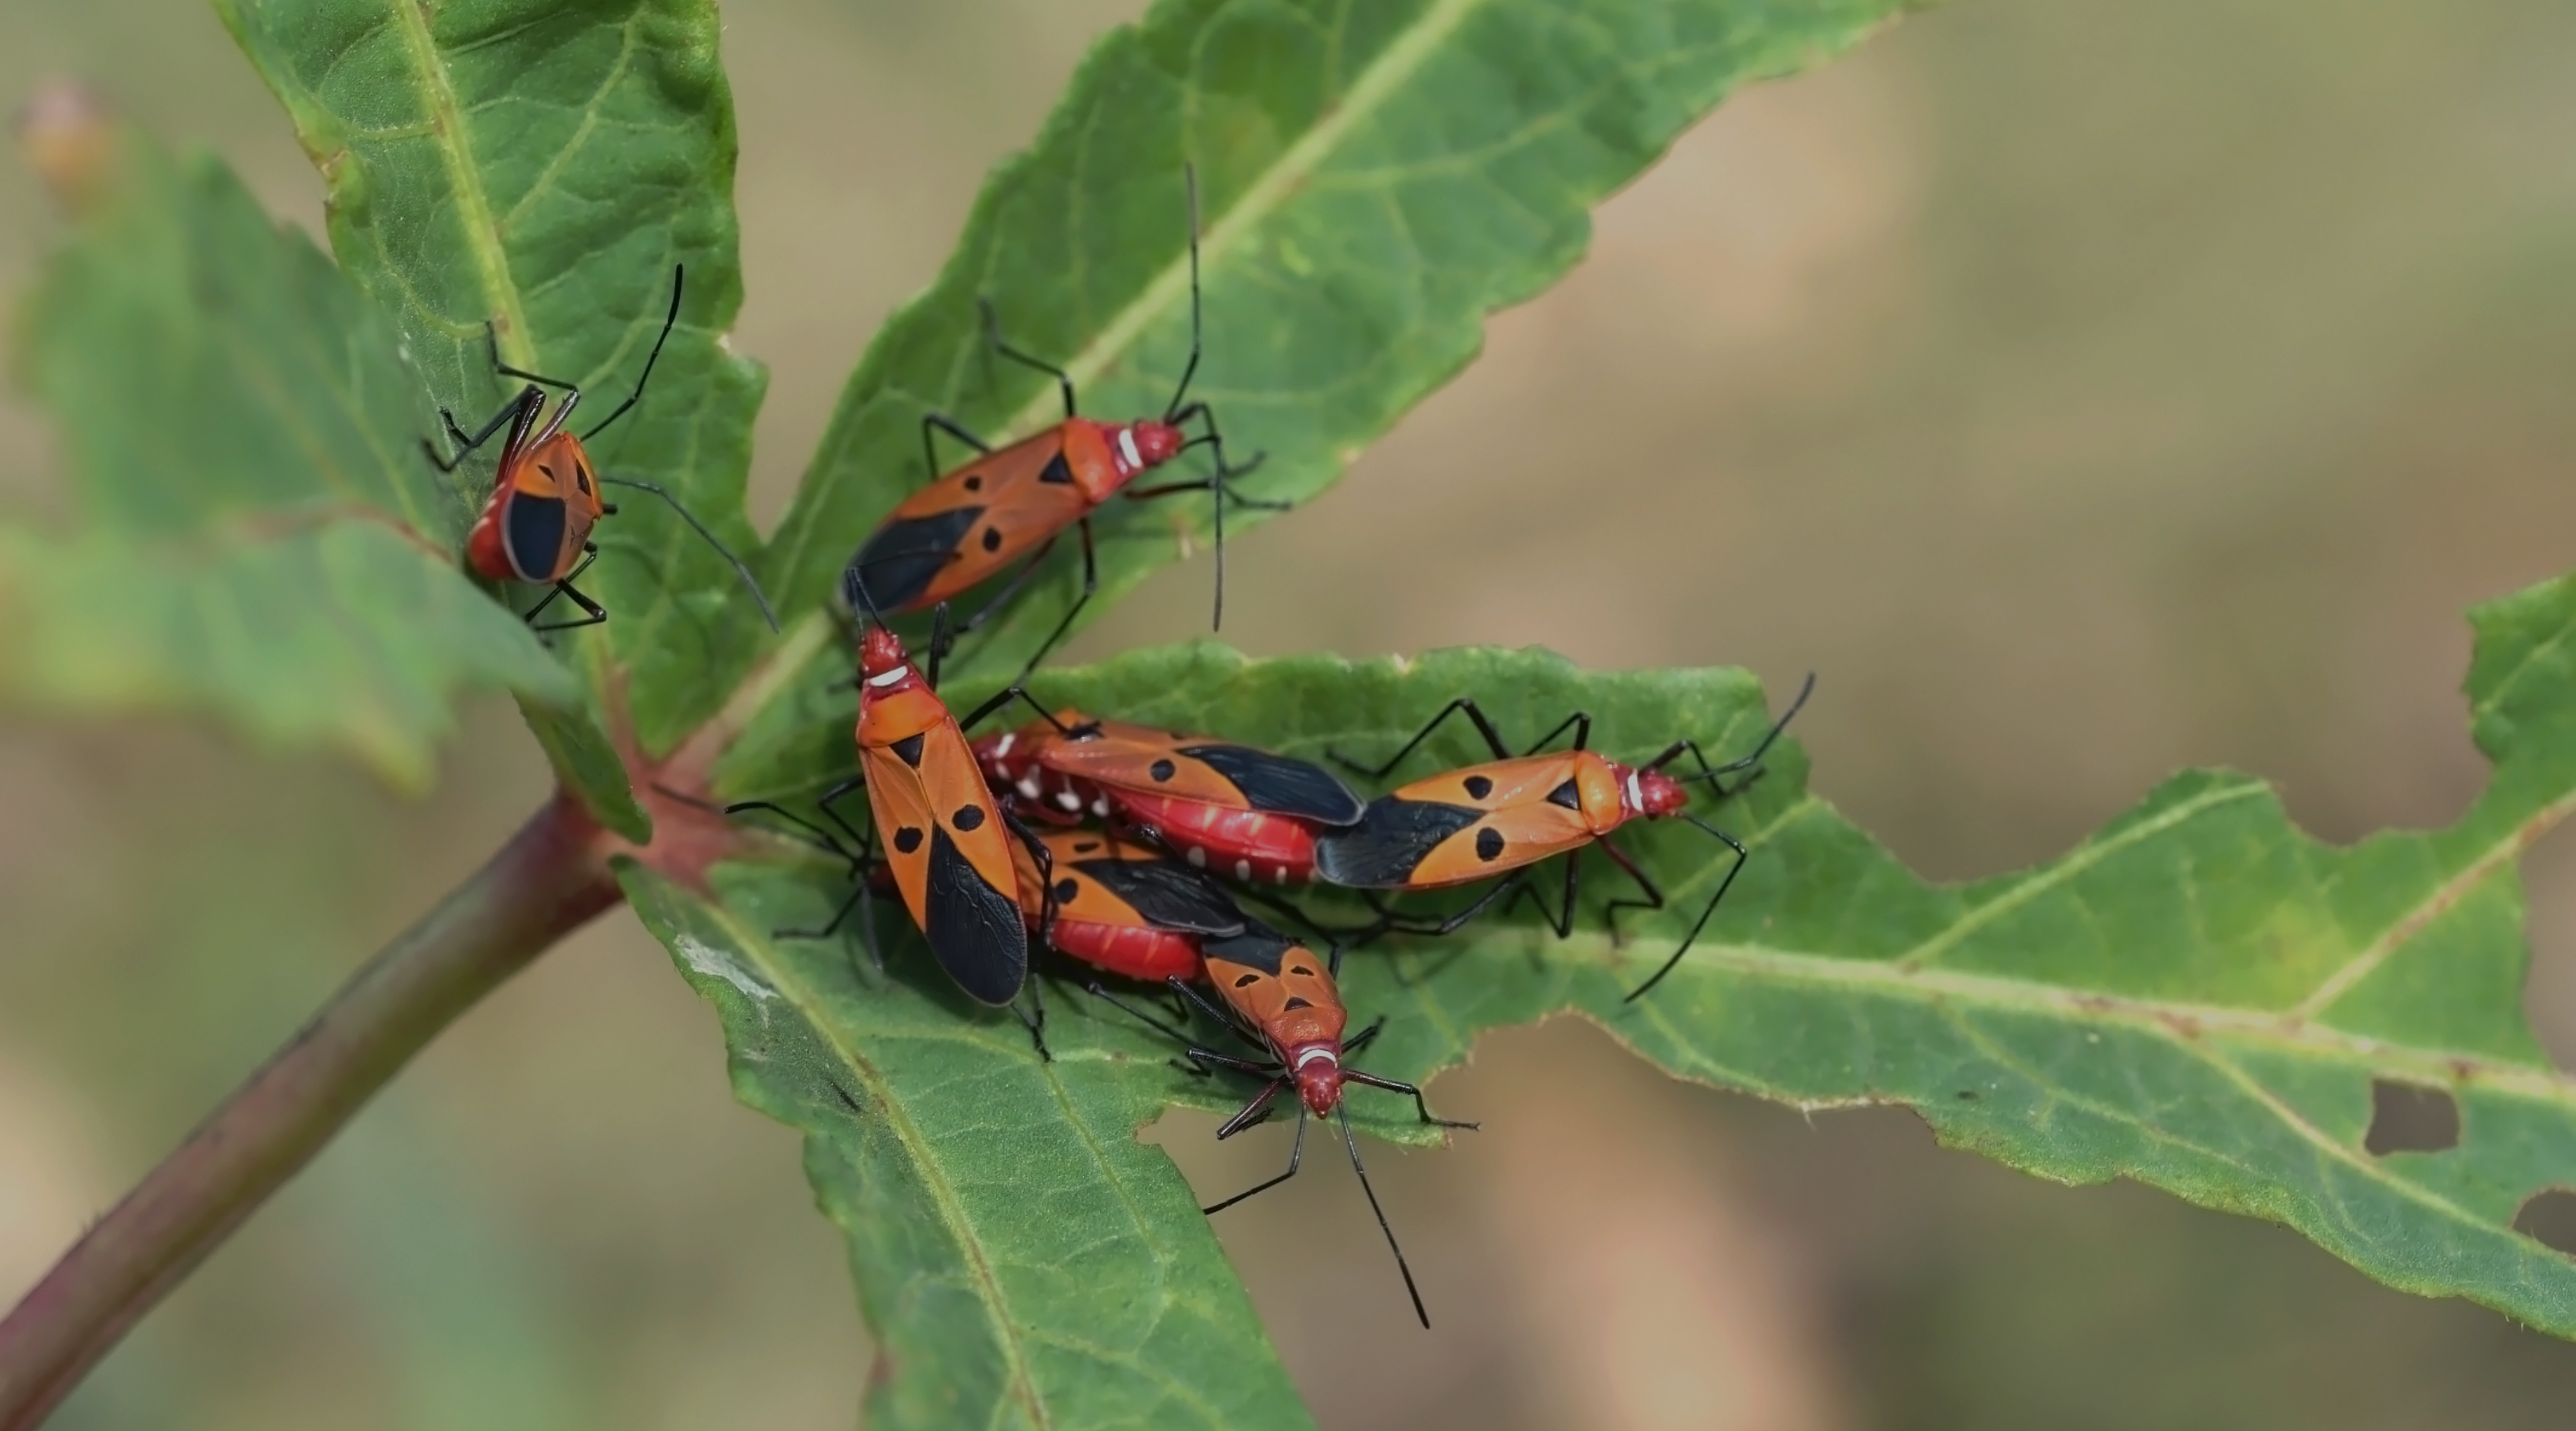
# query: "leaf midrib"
x,y
474,208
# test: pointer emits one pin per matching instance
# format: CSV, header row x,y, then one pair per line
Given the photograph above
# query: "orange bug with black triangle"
x,y
1010,505
1278,996
1221,805
949,846
1503,816
545,491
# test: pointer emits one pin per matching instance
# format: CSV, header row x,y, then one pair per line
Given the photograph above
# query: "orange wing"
x,y
971,523
1278,985
1468,824
1203,769
952,857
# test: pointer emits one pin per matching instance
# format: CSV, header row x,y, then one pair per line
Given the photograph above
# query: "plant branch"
x,y
549,880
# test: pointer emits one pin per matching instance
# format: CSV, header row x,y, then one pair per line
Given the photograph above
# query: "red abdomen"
x,y
1133,950
1254,846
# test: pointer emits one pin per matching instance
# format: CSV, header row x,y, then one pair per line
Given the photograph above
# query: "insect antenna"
x,y
1710,772
1741,855
656,356
1344,1115
740,568
1173,410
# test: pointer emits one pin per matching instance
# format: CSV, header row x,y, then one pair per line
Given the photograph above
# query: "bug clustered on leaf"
x,y
1127,850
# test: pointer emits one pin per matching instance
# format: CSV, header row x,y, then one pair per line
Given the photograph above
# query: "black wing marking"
x,y
532,530
1170,896
976,931
1257,947
1394,835
904,557
1282,786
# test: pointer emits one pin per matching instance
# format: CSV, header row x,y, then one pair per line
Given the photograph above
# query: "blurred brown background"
x,y
2084,389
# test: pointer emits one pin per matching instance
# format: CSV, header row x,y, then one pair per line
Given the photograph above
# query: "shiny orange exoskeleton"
x,y
1503,816
1278,995
1227,808
546,493
948,849
1122,906
1009,505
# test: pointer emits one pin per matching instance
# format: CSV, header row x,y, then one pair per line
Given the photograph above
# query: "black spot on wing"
x,y
901,560
1489,844
1057,471
1169,895
1478,786
1394,835
1567,796
975,930
532,532
1282,786
908,749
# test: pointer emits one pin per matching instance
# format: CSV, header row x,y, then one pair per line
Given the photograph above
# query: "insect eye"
x,y
1247,981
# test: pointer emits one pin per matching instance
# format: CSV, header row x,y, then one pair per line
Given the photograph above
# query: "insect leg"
x,y
1420,1108
1474,713
942,422
1224,1019
1296,1150
741,570
1654,894
829,798
1579,722
993,335
593,614
1063,627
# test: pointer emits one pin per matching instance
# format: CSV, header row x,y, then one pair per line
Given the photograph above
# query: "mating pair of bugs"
x,y
951,835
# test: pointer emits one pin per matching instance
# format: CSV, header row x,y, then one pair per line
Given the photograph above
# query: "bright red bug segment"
x,y
1123,907
536,526
1507,814
1226,808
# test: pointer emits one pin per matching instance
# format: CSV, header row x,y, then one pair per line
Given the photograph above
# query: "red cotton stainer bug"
x,y
1282,1000
1227,808
1501,817
1011,504
949,845
545,492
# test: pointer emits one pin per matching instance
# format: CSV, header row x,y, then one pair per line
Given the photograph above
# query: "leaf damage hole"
x,y
2548,1217
2411,1118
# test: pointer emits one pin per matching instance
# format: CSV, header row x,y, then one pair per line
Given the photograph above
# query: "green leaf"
x,y
1375,180
259,537
1023,1260
2200,997
541,169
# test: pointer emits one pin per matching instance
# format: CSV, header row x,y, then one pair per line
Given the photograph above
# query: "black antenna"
x,y
740,568
1741,855
1344,1113
668,319
1712,772
1172,410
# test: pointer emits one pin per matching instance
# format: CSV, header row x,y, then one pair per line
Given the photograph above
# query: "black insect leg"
x,y
593,614
1296,1152
1420,1108
993,335
942,422
1464,704
521,409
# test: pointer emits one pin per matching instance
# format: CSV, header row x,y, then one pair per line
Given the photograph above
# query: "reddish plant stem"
x,y
550,879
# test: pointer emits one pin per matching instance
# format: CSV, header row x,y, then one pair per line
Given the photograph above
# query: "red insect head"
x,y
1140,445
1650,793
883,663
1318,1071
